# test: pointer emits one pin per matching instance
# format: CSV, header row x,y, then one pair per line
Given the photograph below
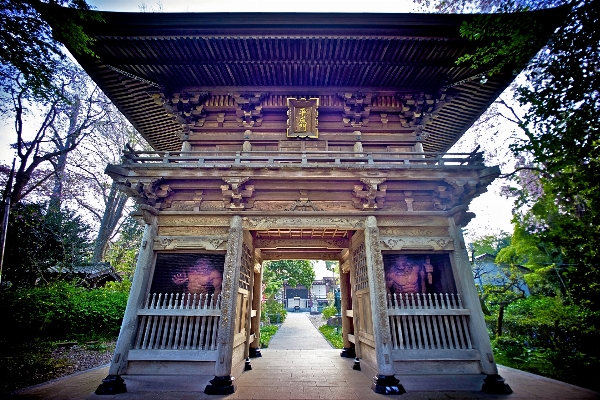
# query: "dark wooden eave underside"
x,y
141,53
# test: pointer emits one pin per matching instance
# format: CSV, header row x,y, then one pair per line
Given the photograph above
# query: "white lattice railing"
x,y
177,326
428,321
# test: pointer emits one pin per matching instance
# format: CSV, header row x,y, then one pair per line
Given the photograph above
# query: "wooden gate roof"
x,y
140,54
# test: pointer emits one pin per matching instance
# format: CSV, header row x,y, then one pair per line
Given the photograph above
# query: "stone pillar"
x,y
113,383
348,350
256,302
479,334
384,382
223,382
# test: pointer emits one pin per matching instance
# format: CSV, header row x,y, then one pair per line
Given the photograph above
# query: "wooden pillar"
x,y
248,325
256,303
223,382
479,334
384,382
113,383
346,304
356,320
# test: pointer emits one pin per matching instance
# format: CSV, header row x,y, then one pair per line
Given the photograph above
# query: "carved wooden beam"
x,y
300,255
190,243
328,243
234,194
357,108
419,109
187,108
417,243
152,192
283,222
371,195
249,113
303,204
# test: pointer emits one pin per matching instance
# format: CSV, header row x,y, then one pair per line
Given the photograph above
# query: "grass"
x,y
333,336
266,332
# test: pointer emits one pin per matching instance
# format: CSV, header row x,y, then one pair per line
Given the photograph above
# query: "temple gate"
x,y
300,136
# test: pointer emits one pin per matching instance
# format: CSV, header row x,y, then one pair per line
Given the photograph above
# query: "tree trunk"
x,y
112,214
499,321
62,145
57,189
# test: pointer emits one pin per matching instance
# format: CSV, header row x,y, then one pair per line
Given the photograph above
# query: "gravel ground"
x,y
75,358
317,320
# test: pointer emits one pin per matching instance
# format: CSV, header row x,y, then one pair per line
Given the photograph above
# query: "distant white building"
x,y
301,297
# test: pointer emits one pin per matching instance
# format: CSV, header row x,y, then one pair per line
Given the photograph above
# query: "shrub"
x,y
266,332
62,311
333,336
273,312
123,287
550,337
56,312
329,312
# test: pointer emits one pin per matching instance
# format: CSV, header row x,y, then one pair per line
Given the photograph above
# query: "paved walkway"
x,y
298,333
299,364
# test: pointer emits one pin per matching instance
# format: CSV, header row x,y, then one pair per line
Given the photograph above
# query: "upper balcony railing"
x,y
330,158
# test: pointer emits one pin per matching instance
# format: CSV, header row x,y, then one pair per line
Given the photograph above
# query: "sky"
x,y
493,211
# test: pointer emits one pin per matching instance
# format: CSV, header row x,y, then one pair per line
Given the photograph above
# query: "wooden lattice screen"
x,y
361,279
428,321
362,312
246,267
243,296
176,321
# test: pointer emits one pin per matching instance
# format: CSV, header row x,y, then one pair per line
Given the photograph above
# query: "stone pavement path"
x,y
299,364
298,333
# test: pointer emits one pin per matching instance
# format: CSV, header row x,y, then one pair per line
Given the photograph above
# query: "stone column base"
x,y
356,365
254,352
247,365
112,384
495,384
387,384
348,353
220,385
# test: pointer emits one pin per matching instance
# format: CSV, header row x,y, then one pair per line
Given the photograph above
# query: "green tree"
x,y
334,267
31,37
122,254
562,125
548,336
545,263
490,244
499,283
294,272
41,239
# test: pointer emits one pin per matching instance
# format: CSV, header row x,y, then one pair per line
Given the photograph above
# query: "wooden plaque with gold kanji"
x,y
303,118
